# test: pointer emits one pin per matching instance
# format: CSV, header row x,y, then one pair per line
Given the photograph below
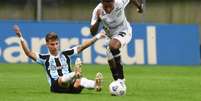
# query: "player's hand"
x,y
17,30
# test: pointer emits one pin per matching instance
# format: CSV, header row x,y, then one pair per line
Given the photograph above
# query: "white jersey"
x,y
114,22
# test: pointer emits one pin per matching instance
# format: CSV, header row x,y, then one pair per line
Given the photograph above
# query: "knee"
x,y
114,44
63,84
114,47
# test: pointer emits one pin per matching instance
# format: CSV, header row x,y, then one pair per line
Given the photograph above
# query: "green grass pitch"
x,y
27,82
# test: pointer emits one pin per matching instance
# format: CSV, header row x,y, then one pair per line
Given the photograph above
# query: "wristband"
x,y
21,38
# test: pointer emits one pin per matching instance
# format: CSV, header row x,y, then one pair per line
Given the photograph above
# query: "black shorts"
x,y
58,89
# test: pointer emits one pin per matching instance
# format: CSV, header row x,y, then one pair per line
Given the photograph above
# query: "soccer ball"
x,y
117,88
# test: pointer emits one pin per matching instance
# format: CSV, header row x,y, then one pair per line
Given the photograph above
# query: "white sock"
x,y
86,83
121,80
68,77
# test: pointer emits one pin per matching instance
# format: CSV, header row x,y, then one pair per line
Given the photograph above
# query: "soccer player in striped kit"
x,y
110,14
57,65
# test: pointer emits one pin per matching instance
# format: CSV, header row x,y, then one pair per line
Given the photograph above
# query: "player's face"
x,y
53,46
108,5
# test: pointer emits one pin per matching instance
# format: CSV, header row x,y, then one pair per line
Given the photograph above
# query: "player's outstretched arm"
x,y
139,5
90,42
95,26
26,50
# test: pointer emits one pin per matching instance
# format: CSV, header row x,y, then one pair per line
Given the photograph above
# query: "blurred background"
x,y
176,22
161,11
157,11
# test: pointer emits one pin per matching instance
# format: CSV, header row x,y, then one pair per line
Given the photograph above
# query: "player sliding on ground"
x,y
110,13
57,65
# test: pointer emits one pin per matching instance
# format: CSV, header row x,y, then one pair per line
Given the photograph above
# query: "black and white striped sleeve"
x,y
70,52
41,58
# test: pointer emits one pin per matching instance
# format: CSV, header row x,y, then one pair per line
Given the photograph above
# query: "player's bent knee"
x,y
114,44
63,84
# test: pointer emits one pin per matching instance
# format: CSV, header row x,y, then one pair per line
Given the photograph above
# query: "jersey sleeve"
x,y
94,17
123,3
70,52
41,58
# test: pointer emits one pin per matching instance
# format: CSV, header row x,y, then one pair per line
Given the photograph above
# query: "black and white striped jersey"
x,y
56,66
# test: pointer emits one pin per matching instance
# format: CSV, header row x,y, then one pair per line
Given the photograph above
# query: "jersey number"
x,y
122,34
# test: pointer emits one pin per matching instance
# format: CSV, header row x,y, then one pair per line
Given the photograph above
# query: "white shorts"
x,y
124,39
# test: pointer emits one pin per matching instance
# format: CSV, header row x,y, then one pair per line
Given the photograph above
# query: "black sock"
x,y
119,67
113,69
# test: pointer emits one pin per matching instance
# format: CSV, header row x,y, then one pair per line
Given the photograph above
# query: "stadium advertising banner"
x,y
167,44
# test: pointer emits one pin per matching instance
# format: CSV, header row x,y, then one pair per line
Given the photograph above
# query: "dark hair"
x,y
51,36
107,0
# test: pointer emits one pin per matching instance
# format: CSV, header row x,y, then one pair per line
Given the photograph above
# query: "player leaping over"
x,y
57,65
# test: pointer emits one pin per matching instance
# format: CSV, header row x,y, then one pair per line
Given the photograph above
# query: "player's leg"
x,y
65,80
65,84
68,78
115,62
112,64
92,84
57,88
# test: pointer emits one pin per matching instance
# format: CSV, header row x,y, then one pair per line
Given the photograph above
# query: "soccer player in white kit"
x,y
111,15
